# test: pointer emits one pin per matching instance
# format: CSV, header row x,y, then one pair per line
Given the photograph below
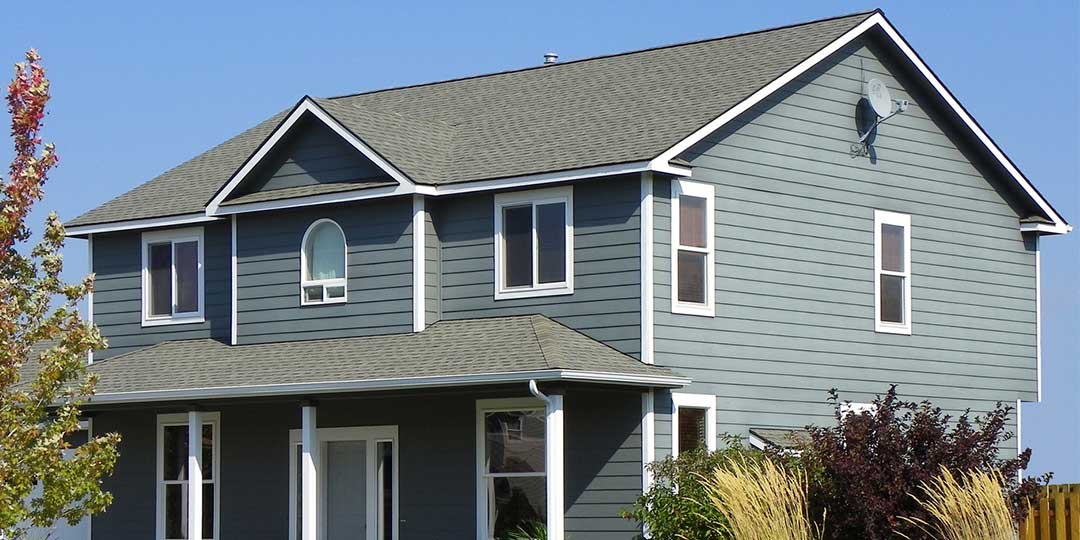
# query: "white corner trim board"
x,y
233,335
647,339
419,256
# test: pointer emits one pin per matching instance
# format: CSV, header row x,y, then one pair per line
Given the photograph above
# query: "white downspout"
x,y
553,461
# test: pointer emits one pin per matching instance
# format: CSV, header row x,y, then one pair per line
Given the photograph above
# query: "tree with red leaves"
x,y
44,343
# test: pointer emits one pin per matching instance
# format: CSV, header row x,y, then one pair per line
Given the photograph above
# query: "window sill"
x,y
192,319
693,309
533,293
331,302
886,328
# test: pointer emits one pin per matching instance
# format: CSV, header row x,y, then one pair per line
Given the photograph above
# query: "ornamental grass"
x,y
971,506
762,501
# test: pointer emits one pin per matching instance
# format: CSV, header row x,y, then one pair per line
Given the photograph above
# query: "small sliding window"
x,y
892,272
172,276
534,243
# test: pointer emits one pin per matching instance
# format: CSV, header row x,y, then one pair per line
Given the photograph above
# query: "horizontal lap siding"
x,y
379,237
606,300
118,292
603,462
432,271
795,258
311,154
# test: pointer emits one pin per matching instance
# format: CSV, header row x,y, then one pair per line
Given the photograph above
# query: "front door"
x,y
357,477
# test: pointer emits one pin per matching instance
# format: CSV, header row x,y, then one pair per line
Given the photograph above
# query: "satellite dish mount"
x,y
871,111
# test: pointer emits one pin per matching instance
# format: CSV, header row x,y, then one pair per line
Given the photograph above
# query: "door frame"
x,y
372,435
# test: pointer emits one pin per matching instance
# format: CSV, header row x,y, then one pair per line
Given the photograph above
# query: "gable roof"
x,y
608,110
449,353
622,113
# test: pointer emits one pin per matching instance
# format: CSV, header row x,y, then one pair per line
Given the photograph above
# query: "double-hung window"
x,y
534,243
892,272
172,276
693,422
323,264
692,252
172,476
512,477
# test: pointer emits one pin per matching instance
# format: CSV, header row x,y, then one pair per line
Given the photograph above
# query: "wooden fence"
x,y
1056,516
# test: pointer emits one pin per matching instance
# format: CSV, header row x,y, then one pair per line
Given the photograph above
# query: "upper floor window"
x,y
692,231
892,272
534,243
172,276
322,264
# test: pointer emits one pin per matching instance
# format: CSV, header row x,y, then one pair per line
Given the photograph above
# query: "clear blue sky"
x,y
141,86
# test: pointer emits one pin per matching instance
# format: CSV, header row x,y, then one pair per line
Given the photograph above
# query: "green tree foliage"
x,y
43,342
677,506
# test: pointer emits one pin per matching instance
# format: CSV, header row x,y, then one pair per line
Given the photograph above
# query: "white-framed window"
x,y
172,475
511,475
534,243
892,272
172,276
693,422
692,248
323,264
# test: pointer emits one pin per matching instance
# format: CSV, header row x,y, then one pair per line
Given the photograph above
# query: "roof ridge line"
x,y
605,56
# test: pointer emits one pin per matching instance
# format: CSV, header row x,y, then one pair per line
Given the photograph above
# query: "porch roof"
x,y
449,353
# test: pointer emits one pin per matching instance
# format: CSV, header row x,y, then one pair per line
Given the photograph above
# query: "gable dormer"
x,y
310,159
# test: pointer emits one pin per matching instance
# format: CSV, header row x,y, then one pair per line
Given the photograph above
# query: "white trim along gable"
x,y
876,20
305,106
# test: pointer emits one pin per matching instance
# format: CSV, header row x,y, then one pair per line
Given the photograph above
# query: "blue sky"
x,y
142,86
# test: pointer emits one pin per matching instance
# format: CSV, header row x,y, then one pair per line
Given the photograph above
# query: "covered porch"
x,y
456,455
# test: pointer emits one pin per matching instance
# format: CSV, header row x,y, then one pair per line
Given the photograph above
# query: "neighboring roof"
x,y
786,439
449,353
600,111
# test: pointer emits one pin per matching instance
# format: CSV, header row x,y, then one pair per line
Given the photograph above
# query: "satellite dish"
x,y
880,99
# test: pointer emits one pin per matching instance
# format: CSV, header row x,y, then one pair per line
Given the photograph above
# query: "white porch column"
x,y
309,441
553,457
195,476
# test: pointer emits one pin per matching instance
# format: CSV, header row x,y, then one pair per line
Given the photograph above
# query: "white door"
x,y
357,478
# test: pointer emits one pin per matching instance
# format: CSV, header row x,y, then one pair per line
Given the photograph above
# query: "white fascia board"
x,y
538,179
875,20
306,106
1045,228
328,198
390,384
150,223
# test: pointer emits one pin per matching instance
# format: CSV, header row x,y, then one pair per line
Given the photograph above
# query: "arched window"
x,y
322,264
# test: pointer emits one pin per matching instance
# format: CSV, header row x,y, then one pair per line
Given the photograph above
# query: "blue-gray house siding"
x,y
117,262
605,304
795,263
378,236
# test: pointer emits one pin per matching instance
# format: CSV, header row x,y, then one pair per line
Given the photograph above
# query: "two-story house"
x,y
451,310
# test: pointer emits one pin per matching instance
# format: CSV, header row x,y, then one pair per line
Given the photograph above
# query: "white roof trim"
x,y
875,20
306,105
149,223
390,384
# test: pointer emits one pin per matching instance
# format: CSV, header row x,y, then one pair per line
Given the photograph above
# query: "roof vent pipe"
x,y
550,58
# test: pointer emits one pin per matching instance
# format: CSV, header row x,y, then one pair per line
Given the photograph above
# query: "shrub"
x,y
684,512
762,501
864,469
972,507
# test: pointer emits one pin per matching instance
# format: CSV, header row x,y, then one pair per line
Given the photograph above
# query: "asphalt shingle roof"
x,y
500,345
601,111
